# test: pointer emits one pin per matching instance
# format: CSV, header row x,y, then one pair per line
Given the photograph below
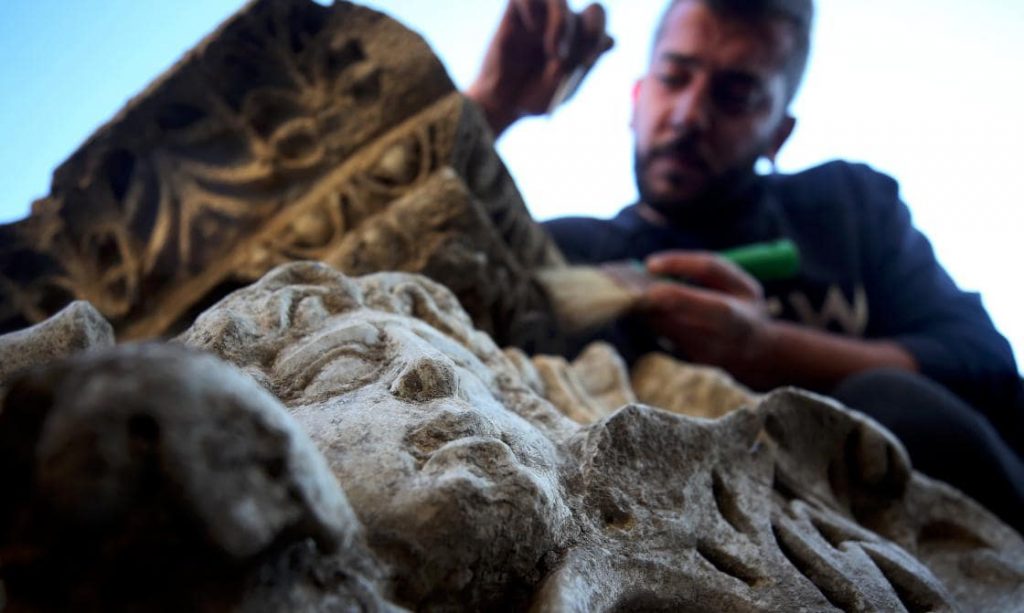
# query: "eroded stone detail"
x,y
78,327
597,383
464,488
688,389
276,139
747,508
155,478
591,387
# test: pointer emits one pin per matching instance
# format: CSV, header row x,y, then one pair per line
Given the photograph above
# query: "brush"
x,y
589,297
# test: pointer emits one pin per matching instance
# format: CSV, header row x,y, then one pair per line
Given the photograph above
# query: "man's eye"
x,y
673,80
737,96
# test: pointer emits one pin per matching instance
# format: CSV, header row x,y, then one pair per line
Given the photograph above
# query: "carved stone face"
x,y
412,422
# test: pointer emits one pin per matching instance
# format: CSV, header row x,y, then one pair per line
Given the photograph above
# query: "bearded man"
x,y
872,318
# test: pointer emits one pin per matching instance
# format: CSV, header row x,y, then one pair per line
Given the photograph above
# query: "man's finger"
x,y
558,20
593,40
680,299
529,12
708,270
570,34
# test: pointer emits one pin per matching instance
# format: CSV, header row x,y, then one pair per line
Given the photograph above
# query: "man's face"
x,y
712,103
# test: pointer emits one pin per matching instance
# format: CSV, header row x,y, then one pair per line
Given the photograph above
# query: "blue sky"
x,y
926,90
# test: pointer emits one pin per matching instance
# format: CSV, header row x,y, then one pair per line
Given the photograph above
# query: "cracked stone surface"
x,y
368,447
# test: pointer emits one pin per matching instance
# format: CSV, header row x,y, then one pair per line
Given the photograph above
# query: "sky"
x,y
928,91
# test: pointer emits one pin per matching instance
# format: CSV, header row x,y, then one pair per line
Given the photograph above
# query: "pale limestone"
x,y
76,328
688,389
160,478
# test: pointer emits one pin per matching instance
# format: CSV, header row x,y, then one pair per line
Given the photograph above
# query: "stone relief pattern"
x,y
429,197
392,454
151,212
396,165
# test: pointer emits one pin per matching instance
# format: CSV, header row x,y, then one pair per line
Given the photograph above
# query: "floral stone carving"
x,y
287,134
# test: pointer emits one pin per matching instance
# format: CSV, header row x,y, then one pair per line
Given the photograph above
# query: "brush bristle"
x,y
585,298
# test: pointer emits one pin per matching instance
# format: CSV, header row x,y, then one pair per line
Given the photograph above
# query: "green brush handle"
x,y
770,261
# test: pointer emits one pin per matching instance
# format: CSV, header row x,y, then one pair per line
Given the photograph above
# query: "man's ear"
x,y
635,95
782,133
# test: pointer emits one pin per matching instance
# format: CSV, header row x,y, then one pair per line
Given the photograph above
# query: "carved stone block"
x,y
430,197
277,137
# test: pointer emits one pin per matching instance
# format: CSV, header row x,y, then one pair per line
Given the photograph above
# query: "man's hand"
x,y
719,317
538,46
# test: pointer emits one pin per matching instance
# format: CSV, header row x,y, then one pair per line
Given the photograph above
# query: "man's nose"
x,y
691,109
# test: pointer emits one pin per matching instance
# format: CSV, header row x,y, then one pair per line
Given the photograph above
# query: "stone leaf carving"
x,y
273,140
597,383
660,380
467,490
430,197
592,386
441,231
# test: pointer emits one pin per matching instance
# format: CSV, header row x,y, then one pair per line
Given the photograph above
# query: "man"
x,y
872,317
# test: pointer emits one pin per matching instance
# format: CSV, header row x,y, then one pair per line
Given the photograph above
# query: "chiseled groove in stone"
x,y
728,504
789,545
915,595
726,564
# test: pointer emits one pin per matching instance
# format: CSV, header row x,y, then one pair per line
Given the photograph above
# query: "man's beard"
x,y
717,199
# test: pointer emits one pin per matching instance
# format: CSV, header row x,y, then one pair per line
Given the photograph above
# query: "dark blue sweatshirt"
x,y
865,272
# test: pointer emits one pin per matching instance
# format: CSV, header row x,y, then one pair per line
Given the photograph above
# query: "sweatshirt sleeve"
x,y
916,303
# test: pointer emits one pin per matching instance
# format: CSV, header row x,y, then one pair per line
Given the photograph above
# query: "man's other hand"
x,y
721,319
538,46
717,316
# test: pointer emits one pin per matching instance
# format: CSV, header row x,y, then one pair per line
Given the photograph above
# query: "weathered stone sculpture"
x,y
155,478
457,486
421,421
295,131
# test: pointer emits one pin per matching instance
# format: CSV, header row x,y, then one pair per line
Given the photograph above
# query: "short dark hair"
x,y
797,13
